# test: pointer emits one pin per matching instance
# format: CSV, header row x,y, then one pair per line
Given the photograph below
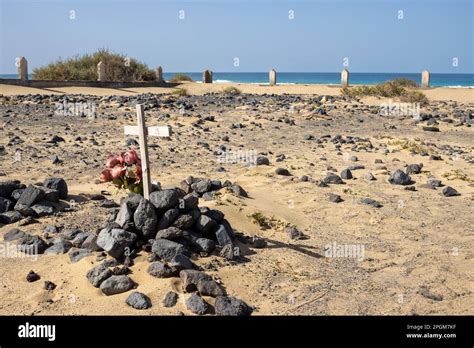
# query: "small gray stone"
x,y
282,171
335,198
76,255
399,178
448,191
145,219
114,241
332,178
223,237
170,233
116,285
238,191
196,304
60,246
369,176
210,288
160,270
168,218
32,245
98,274
346,174
166,199
57,184
294,233
231,306
124,215
180,262
190,278
166,249
13,234
204,245
138,300
170,299
262,161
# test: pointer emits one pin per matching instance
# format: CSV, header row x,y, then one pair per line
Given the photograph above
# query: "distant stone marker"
x,y
143,131
272,77
425,79
159,75
101,75
23,69
345,78
207,76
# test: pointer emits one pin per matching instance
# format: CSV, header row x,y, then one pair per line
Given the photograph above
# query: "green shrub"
x,y
179,92
406,90
180,78
118,67
231,90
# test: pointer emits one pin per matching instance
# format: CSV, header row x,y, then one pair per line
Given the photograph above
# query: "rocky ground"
x,y
313,173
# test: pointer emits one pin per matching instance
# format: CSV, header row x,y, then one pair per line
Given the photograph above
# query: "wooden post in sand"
x,y
272,77
425,79
159,75
101,76
207,76
23,69
143,131
345,78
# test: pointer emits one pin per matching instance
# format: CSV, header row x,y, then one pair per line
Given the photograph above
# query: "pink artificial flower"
x,y
105,175
111,161
139,174
131,157
117,172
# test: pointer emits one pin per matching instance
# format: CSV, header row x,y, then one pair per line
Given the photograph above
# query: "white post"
x,y
23,69
207,76
272,77
101,76
425,79
159,75
142,140
345,78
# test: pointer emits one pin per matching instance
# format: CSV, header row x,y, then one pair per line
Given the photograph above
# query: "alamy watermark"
x,y
353,251
400,109
8,250
79,109
241,156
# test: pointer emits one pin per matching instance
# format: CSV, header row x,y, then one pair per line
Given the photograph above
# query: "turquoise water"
x,y
436,80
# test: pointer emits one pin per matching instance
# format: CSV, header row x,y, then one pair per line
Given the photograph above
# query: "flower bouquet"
x,y
124,171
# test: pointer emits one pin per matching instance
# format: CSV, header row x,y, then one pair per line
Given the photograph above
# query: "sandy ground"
x,y
461,95
417,247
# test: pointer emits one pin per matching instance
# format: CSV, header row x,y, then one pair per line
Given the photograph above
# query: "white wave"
x,y
458,86
223,81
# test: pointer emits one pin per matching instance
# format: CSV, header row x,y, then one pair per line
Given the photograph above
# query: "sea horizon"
x,y
451,80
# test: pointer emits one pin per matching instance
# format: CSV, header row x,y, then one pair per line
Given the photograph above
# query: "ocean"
x,y
436,80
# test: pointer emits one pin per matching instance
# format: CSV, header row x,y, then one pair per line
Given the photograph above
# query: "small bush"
x,y
180,78
231,90
401,88
180,92
118,67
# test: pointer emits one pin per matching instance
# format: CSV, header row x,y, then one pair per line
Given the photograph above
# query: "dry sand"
x,y
461,95
418,240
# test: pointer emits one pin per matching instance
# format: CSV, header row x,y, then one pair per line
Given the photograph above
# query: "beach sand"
x,y
460,95
418,247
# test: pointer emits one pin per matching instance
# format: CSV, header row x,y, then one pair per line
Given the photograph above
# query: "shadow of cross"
x,y
143,132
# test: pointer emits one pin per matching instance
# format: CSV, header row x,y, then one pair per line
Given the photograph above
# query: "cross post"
x,y
143,131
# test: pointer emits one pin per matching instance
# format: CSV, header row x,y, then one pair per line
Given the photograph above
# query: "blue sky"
x,y
257,32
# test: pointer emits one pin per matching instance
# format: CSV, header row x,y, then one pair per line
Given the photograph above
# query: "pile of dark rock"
x,y
174,230
18,201
170,227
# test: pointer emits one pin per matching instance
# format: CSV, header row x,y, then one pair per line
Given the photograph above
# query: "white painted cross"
x,y
143,131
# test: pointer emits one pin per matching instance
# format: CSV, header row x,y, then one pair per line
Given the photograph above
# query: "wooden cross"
x,y
143,131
